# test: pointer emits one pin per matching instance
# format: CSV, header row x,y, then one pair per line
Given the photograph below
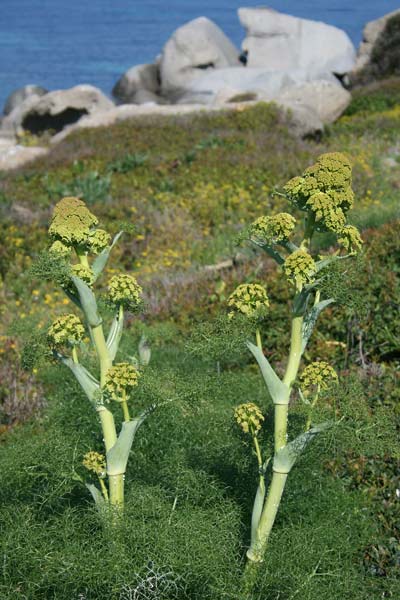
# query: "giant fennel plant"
x,y
323,194
83,250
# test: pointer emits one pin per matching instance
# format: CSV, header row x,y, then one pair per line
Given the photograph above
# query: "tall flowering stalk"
x,y
85,249
323,193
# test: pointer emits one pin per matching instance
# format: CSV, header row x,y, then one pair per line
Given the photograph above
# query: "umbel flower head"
x,y
250,299
66,331
350,239
60,249
124,290
300,266
120,381
84,273
274,229
318,374
95,462
97,240
249,417
331,174
71,222
327,216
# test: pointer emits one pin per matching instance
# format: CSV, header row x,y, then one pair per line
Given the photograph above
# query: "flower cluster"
x,y
249,417
324,190
250,299
300,266
319,374
60,249
274,229
350,239
124,290
96,462
84,273
120,381
71,222
66,331
97,240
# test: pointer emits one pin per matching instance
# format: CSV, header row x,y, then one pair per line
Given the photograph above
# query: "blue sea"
x,y
60,43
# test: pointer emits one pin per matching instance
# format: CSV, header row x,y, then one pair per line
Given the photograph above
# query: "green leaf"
x,y
117,456
88,383
311,318
325,262
96,494
101,260
285,458
278,391
114,336
88,302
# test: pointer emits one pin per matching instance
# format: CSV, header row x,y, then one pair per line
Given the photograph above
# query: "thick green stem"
x,y
125,410
277,486
258,338
75,355
116,487
108,427
256,552
102,351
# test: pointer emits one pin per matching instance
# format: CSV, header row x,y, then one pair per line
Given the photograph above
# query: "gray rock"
x,y
303,121
18,96
139,77
147,97
193,49
371,33
14,156
54,110
222,84
327,100
282,42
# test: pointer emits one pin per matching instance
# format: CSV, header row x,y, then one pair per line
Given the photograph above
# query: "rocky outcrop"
x,y
194,48
13,156
54,110
379,53
262,83
138,79
18,96
324,98
282,42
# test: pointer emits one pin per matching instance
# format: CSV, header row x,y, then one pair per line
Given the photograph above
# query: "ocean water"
x,y
60,43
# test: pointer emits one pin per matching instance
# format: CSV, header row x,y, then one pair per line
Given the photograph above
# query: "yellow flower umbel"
x,y
95,462
120,381
60,249
349,237
97,240
318,374
274,229
249,418
84,273
71,222
300,266
124,290
66,332
250,299
327,216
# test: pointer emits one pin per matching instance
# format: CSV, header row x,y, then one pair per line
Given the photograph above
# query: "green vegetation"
x,y
183,190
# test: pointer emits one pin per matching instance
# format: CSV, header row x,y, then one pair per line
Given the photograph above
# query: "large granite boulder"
x,y
282,42
54,110
325,99
379,52
18,96
193,49
140,77
261,83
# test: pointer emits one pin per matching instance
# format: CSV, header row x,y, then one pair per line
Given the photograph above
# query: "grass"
x,y
188,186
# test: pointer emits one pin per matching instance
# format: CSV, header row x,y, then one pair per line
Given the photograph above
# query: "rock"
x,y
147,97
282,42
18,96
14,156
223,84
327,100
379,52
54,110
303,121
137,78
194,48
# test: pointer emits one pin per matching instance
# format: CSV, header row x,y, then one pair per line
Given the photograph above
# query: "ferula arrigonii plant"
x,y
85,250
322,196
